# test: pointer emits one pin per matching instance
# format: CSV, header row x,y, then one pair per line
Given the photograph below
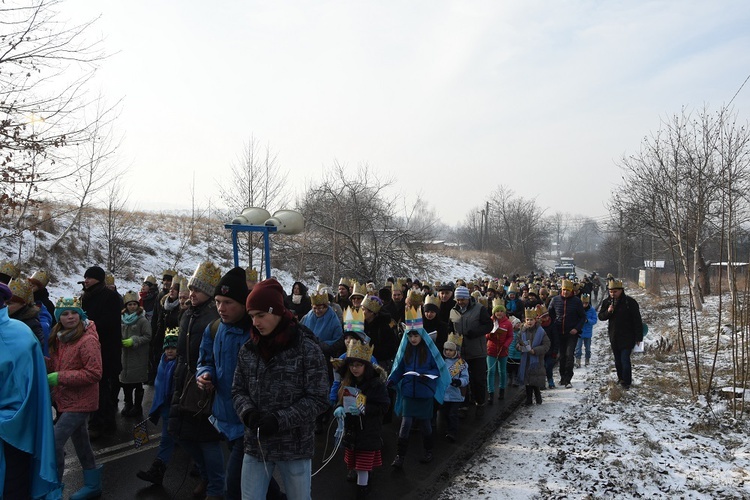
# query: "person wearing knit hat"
x,y
94,273
160,407
278,401
216,364
27,441
472,320
498,343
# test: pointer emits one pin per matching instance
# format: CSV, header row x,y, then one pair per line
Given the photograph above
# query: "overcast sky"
x,y
451,99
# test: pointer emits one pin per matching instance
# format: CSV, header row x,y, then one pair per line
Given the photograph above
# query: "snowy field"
x,y
598,441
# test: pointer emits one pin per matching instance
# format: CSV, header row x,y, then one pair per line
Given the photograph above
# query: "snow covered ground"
x,y
598,441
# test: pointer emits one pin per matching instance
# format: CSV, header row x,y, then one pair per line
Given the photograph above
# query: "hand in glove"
x,y
52,379
339,433
127,342
456,383
353,410
339,412
251,419
268,425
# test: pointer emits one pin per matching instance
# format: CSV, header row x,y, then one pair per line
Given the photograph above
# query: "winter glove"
x,y
251,419
456,383
353,410
268,425
127,342
339,434
339,412
52,379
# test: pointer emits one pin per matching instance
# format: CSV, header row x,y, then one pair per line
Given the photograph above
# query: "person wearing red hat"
x,y
280,386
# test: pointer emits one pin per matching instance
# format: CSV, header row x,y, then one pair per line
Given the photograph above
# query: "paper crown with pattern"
x,y
22,291
40,279
131,296
416,297
372,304
614,284
566,285
360,351
432,300
251,274
346,282
205,278
319,298
585,298
531,313
170,338
150,279
358,290
413,318
69,304
354,320
541,310
513,288
456,339
10,270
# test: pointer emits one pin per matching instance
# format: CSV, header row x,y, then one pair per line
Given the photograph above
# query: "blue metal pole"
x,y
241,228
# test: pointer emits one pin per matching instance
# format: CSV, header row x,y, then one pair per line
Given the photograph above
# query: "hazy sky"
x,y
451,99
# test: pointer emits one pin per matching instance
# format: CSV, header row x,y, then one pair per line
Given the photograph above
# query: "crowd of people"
x,y
240,364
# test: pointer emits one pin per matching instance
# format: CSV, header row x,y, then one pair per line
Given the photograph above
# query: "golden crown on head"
x,y
354,320
172,331
68,302
566,285
21,288
415,297
358,289
169,272
371,304
10,269
251,274
346,282
615,283
531,313
498,301
513,288
432,299
456,339
585,298
541,310
131,296
413,318
40,278
319,298
359,350
401,282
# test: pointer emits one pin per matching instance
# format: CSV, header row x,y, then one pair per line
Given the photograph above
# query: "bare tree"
x,y
257,181
45,65
118,227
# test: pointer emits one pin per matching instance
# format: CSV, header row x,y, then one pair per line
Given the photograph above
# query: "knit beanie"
x,y
69,304
233,285
5,294
461,293
170,338
96,273
267,296
498,308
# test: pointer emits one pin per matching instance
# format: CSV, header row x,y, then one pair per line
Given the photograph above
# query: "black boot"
x,y
402,445
362,491
538,395
491,398
500,394
137,410
155,473
128,398
428,444
529,395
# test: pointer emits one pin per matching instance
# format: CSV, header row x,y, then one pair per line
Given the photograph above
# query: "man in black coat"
x,y
104,306
568,316
625,328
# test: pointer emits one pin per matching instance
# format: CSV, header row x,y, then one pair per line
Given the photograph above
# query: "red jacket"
x,y
499,340
79,369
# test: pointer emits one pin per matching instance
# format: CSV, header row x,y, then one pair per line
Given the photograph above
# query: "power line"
x,y
738,90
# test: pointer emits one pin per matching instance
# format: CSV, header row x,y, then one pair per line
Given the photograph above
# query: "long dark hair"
x,y
348,379
421,348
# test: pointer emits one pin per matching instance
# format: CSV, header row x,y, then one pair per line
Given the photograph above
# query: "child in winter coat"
x,y
514,355
74,370
533,344
498,342
454,395
584,341
160,407
363,419
420,376
136,337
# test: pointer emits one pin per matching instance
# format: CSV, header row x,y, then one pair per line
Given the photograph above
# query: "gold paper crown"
x,y
567,285
585,298
251,274
40,279
354,320
319,298
415,297
322,287
172,331
9,269
346,282
482,300
513,288
68,303
150,279
131,296
531,313
21,288
205,278
432,299
456,339
371,289
492,286
358,289
400,282
176,280
184,285
498,301
615,283
359,350
371,304
541,310
109,279
169,272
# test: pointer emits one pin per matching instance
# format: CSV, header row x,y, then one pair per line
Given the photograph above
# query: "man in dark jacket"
x,y
447,303
568,316
104,306
625,328
381,329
